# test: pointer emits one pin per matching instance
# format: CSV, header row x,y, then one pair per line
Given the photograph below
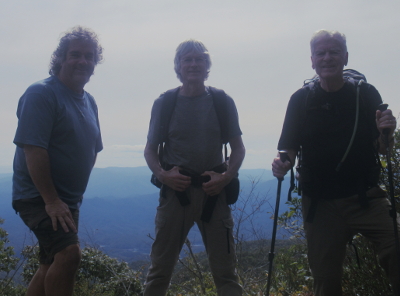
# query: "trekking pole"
x,y
283,156
393,213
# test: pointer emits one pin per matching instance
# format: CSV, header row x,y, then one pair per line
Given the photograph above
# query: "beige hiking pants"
x,y
335,223
173,223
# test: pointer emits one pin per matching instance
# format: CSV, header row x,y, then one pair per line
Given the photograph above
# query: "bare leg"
x,y
36,286
60,277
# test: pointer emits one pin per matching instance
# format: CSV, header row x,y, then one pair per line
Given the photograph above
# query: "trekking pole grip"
x,y
383,107
283,155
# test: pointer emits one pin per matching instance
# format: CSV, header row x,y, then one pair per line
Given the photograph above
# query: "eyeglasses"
x,y
196,60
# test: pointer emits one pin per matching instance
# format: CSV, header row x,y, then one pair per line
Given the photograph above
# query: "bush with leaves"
x,y
395,162
8,266
291,275
192,276
365,277
250,238
98,274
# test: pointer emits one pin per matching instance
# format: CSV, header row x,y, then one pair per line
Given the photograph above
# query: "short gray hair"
x,y
76,33
325,34
189,46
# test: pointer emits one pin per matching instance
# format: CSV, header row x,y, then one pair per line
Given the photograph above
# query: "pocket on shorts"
x,y
46,224
32,212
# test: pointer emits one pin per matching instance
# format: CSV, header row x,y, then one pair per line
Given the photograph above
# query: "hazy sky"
x,y
259,49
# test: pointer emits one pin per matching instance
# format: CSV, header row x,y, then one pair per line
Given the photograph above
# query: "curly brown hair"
x,y
76,33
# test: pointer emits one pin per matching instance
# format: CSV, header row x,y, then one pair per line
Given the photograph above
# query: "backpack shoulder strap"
x,y
309,89
220,100
351,73
168,101
168,105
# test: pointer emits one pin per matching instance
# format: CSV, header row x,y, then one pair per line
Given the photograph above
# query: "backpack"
x,y
220,101
357,80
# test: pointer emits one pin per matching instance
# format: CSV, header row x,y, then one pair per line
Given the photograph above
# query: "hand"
x,y
385,120
175,180
59,211
216,184
279,168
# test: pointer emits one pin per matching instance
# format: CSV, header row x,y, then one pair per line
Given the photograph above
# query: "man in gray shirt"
x,y
190,173
58,138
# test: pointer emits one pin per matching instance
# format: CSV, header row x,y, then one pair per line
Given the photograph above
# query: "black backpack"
x,y
358,80
220,103
310,87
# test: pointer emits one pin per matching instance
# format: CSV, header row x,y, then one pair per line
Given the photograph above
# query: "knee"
x,y
227,281
43,268
328,286
161,270
388,260
70,257
325,269
224,272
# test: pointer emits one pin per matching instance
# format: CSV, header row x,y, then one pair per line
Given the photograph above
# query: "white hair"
x,y
325,34
189,46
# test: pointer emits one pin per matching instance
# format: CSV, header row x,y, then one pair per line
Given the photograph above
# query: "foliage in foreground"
x,y
8,265
101,275
98,274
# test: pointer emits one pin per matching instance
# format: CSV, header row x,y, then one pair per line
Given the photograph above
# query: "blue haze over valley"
x,y
117,214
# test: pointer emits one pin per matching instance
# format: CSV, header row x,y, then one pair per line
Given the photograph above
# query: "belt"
x,y
197,180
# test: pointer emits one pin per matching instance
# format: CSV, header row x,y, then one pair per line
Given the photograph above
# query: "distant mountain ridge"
x,y
120,182
119,207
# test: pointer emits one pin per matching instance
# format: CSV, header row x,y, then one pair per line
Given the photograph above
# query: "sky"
x,y
259,50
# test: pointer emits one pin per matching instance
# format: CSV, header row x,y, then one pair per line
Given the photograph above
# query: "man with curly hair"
x,y
57,138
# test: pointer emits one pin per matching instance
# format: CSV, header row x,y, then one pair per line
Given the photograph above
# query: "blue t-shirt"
x,y
66,124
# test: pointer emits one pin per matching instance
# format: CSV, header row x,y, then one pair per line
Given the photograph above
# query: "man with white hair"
x,y
192,173
334,125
